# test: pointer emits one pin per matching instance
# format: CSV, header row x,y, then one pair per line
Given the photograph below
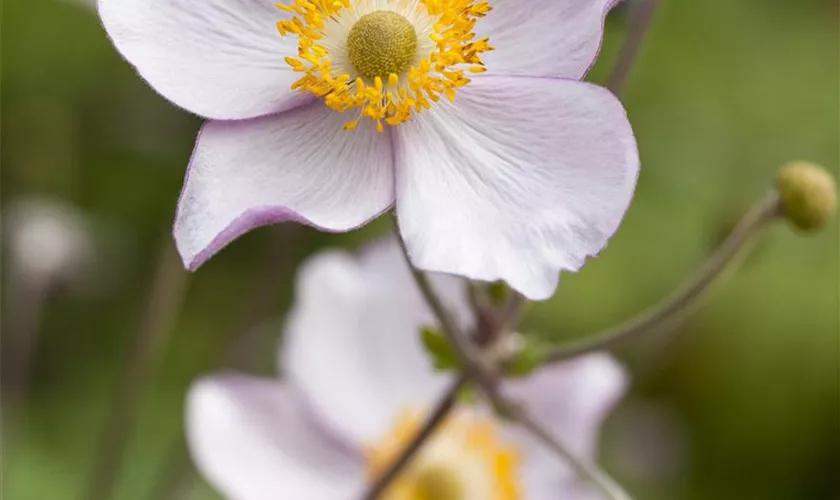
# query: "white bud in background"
x,y
47,240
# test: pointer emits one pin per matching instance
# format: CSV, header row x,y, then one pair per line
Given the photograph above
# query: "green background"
x,y
742,403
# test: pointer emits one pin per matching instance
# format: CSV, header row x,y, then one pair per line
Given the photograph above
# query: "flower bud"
x,y
808,195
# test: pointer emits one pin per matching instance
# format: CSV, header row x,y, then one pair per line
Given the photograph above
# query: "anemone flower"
x,y
357,386
467,117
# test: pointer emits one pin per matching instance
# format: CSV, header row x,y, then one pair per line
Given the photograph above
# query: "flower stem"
x,y
474,369
469,357
26,303
441,410
764,212
164,303
286,246
641,15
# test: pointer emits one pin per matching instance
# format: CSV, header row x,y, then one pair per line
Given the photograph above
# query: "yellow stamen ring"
x,y
342,60
381,43
465,450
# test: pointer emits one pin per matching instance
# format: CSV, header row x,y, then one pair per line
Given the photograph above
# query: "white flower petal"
x,y
353,340
299,165
571,400
254,440
518,179
558,38
221,59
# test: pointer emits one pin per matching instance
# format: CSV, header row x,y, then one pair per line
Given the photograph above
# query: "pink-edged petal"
x,y
254,439
353,344
571,400
299,165
544,37
221,59
516,180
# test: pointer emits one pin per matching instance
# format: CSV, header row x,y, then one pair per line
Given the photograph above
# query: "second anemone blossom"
x,y
467,117
358,386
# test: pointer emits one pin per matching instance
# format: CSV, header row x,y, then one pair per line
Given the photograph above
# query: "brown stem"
x,y
165,299
27,298
441,410
286,242
475,369
641,15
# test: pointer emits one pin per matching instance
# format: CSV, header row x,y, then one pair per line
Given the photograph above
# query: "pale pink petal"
x,y
577,489
254,439
353,340
518,179
571,400
544,37
299,165
221,59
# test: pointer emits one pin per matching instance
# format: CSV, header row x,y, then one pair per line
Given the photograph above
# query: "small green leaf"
x,y
443,358
526,361
467,395
498,292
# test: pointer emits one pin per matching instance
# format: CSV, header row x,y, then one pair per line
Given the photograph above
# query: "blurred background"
x,y
103,331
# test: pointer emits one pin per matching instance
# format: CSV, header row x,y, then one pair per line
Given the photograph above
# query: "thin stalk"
x,y
441,410
641,16
165,299
583,468
475,370
674,306
27,300
285,245
469,356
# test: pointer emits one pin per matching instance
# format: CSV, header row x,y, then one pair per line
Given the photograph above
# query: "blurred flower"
x,y
527,172
358,385
48,240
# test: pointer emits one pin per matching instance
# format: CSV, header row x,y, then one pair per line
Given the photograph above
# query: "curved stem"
x,y
751,224
442,409
475,370
641,15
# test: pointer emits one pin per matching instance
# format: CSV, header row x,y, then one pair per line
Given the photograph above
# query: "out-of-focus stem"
x,y
27,298
474,369
439,413
164,302
641,16
686,296
25,305
285,242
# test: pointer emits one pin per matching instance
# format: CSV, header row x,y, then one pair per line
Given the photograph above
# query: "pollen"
x,y
381,43
466,458
384,60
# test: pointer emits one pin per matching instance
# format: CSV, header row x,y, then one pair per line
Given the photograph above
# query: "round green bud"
x,y
808,195
381,43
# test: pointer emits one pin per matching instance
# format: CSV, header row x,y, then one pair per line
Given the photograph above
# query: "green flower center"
x,y
381,43
437,483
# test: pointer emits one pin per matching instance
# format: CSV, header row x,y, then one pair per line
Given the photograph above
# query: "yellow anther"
x,y
391,72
